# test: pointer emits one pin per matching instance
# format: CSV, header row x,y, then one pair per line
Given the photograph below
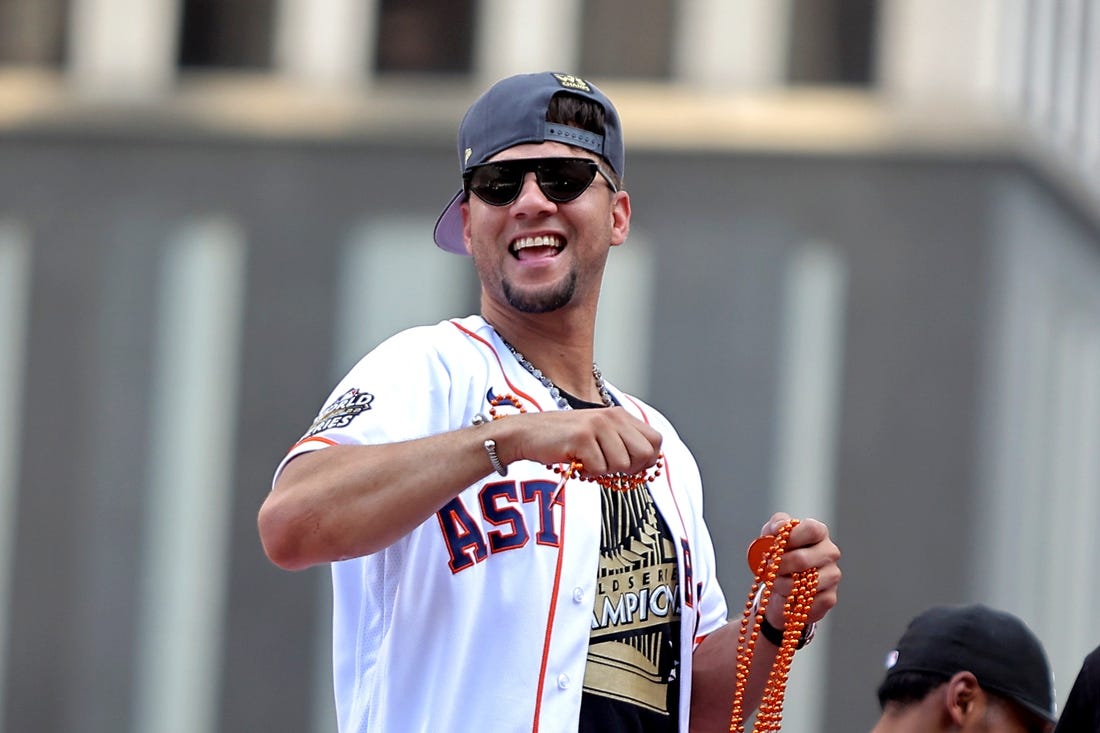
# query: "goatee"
x,y
541,302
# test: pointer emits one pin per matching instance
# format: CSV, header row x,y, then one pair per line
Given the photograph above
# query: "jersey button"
x,y
563,681
578,595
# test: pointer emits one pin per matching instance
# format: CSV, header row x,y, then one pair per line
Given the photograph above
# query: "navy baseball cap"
x,y
997,647
513,111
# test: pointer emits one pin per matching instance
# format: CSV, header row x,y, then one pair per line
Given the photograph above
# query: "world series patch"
x,y
573,82
341,411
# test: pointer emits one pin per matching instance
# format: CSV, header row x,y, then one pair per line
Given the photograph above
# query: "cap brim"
x,y
1044,714
448,228
1031,707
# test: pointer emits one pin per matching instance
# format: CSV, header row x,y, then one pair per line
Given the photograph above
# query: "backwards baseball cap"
x,y
513,111
998,648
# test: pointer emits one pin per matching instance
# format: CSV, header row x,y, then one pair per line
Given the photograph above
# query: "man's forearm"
x,y
714,676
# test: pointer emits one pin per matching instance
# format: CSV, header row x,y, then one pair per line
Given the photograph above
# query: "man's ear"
x,y
962,695
464,208
620,217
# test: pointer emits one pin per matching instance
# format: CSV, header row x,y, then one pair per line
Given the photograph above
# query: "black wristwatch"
x,y
775,636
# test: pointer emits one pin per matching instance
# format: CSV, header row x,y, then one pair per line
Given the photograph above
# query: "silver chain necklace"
x,y
556,393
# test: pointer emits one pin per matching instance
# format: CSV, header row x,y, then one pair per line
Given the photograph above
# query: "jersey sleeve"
x,y
399,391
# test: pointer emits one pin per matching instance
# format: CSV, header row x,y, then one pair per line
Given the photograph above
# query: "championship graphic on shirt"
x,y
341,411
636,620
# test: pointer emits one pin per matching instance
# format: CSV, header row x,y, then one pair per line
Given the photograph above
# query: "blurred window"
x,y
425,36
627,38
832,42
230,34
32,32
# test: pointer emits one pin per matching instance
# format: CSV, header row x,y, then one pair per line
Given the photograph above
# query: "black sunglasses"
x,y
559,179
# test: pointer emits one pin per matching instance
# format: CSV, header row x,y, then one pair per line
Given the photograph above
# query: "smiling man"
x,y
516,544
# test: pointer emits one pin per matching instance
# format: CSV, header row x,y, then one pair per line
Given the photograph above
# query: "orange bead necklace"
x,y
613,481
574,469
765,554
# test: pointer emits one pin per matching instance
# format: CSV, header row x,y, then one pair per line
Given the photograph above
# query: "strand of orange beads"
x,y
613,481
575,469
764,557
504,399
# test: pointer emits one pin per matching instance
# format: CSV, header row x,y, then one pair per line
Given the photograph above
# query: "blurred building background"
x,y
863,279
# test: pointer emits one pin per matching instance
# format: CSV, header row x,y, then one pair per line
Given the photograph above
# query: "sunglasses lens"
x,y
496,184
566,179
559,179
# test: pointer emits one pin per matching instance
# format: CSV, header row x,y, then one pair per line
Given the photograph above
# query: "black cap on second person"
x,y
997,647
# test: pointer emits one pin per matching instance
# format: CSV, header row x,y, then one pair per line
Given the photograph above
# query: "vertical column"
x,y
1040,430
123,49
1070,489
1040,64
939,50
322,707
514,37
110,499
325,45
807,428
1069,48
372,305
1090,98
624,324
1014,423
1011,56
732,44
195,375
1086,479
15,261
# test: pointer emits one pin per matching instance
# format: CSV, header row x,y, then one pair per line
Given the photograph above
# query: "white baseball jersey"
x,y
479,619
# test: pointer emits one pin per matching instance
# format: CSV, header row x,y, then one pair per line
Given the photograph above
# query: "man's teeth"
x,y
540,241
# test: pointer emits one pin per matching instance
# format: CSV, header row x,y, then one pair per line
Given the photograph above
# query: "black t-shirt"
x,y
1081,713
631,681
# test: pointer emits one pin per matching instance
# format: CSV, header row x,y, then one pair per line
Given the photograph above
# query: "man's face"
x,y
960,706
537,256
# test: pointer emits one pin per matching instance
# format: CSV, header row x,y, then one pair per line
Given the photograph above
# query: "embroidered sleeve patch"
x,y
341,411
